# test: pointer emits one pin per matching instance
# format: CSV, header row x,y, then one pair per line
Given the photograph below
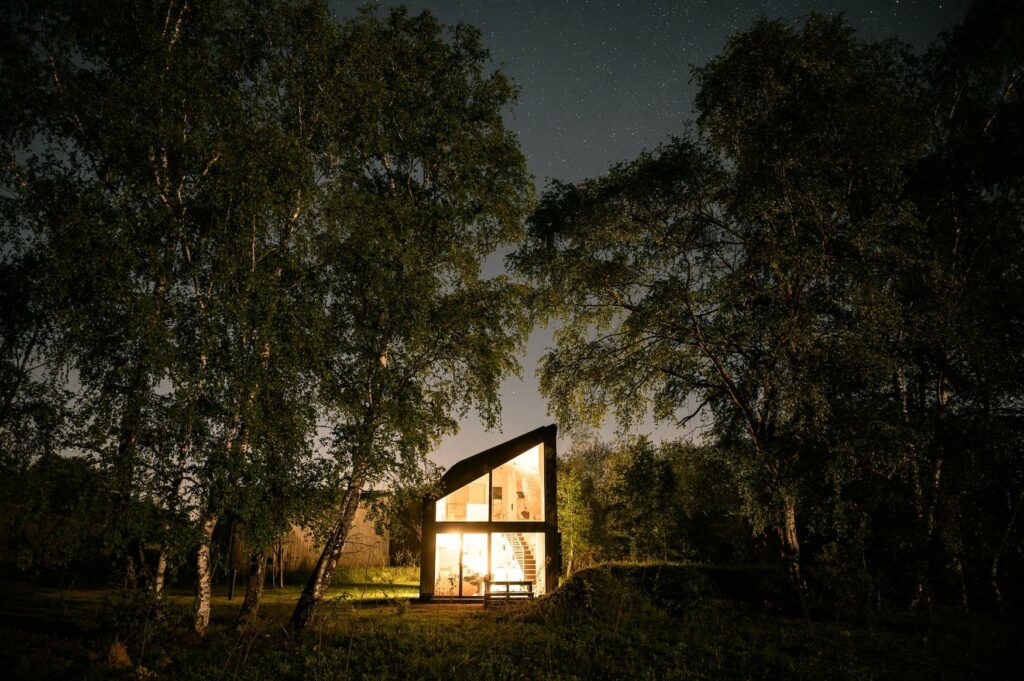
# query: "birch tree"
x,y
718,275
819,275
162,153
424,182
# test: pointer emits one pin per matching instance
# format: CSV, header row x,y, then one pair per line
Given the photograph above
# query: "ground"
x,y
604,625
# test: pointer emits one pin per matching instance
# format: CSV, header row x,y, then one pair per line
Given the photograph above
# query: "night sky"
x,y
601,81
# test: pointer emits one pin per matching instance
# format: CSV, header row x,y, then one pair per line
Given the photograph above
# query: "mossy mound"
x,y
616,591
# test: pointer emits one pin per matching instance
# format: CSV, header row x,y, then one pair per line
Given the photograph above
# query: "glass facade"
x,y
469,559
461,562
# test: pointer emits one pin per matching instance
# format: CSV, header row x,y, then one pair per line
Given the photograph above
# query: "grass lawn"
x,y
603,624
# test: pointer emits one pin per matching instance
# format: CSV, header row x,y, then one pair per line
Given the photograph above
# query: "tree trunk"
x,y
254,589
160,575
145,577
790,545
204,570
131,576
320,579
958,570
997,594
124,466
131,424
922,592
280,563
157,591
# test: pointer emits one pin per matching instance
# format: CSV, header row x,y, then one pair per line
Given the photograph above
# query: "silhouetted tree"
x,y
425,181
824,266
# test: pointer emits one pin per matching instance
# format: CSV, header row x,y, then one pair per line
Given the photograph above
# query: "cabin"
x,y
494,527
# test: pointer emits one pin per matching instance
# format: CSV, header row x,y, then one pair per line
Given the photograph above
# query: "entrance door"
x,y
460,564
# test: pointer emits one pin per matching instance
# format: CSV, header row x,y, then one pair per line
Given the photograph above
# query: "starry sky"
x,y
602,80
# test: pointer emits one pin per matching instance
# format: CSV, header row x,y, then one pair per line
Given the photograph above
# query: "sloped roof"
x,y
469,469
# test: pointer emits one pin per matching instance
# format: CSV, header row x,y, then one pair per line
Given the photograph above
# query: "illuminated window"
x,y
465,503
474,564
518,557
460,564
446,564
517,488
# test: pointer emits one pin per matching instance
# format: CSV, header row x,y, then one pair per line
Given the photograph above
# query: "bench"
x,y
493,595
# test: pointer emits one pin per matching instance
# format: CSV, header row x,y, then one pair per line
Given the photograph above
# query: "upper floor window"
x,y
517,487
466,503
516,493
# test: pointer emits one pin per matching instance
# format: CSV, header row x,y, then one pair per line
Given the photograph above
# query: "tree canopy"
x,y
255,236
810,274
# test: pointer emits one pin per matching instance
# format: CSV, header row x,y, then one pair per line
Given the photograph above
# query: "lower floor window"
x,y
466,562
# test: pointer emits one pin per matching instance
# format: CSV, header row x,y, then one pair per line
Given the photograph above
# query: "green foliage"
x,y
615,502
633,501
52,521
420,183
819,273
713,525
398,515
423,182
247,238
155,160
643,489
577,515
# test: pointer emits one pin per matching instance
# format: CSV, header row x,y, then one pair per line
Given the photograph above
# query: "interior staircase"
x,y
524,556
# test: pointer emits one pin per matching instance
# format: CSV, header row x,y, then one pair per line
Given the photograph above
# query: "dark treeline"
x,y
824,278
636,501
